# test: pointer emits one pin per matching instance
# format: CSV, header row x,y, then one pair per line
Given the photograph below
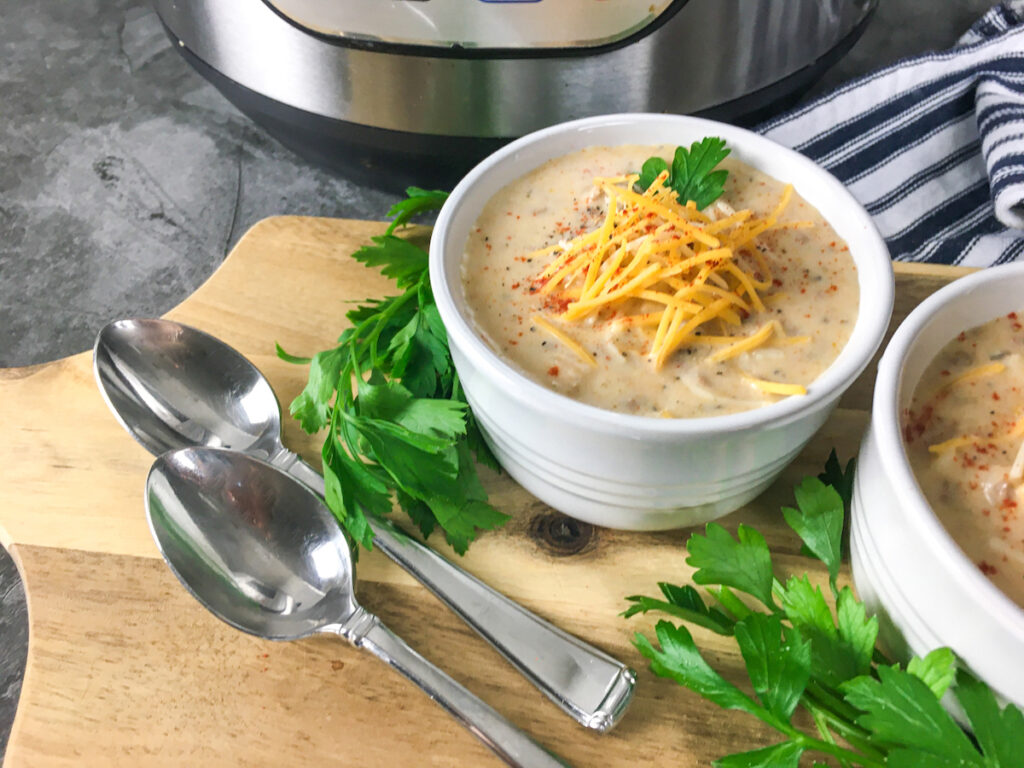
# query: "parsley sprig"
x,y
803,649
692,173
398,426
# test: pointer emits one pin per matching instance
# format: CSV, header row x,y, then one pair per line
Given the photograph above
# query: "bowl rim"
x,y
864,340
885,422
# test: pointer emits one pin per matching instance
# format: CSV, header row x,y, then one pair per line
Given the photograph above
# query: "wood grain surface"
x,y
124,668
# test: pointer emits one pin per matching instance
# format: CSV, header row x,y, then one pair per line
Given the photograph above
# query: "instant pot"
x,y
416,91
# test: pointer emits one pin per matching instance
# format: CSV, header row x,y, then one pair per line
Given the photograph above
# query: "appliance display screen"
x,y
476,23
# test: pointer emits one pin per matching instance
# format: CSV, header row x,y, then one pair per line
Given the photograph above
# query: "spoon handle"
x,y
364,630
588,684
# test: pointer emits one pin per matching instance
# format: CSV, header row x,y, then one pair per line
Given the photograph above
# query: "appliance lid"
x,y
475,24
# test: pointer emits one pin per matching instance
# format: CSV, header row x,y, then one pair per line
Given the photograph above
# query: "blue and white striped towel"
x,y
933,146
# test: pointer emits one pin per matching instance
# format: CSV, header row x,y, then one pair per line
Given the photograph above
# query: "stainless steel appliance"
x,y
415,91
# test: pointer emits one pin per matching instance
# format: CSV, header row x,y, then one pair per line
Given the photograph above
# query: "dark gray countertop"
x,y
125,179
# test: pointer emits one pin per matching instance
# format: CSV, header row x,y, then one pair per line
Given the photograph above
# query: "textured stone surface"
x,y
13,643
125,179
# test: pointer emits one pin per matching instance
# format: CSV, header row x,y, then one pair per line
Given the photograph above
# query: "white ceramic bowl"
x,y
906,566
633,472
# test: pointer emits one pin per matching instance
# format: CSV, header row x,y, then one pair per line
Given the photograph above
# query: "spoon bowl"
x,y
250,543
173,386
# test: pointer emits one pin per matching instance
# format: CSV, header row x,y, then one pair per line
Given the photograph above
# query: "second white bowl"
x,y
906,566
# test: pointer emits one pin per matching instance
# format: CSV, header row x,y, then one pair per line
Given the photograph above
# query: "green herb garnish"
x,y
406,433
692,174
416,201
804,650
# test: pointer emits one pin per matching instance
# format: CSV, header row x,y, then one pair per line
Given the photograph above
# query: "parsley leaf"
x,y
460,515
406,433
389,400
901,711
683,603
728,600
294,359
778,668
913,758
784,755
839,653
460,527
805,606
936,670
420,354
421,464
651,169
692,173
806,609
838,478
679,659
351,487
818,521
743,563
999,732
399,259
416,201
857,632
311,407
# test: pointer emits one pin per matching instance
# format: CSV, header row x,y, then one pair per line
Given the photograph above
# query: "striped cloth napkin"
x,y
932,146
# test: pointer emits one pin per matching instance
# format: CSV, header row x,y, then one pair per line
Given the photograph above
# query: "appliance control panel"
x,y
481,24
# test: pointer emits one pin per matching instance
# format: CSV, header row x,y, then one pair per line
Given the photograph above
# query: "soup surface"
x,y
964,434
607,356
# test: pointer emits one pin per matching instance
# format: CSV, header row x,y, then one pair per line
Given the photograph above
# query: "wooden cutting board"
x,y
124,668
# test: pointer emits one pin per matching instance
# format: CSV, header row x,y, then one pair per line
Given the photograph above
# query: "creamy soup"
x,y
963,435
561,329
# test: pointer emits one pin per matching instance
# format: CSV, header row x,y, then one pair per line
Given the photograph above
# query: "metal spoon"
x,y
262,553
173,386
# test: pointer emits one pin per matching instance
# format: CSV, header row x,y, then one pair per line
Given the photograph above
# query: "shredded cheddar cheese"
x,y
989,369
564,338
679,274
789,341
952,444
745,345
776,387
